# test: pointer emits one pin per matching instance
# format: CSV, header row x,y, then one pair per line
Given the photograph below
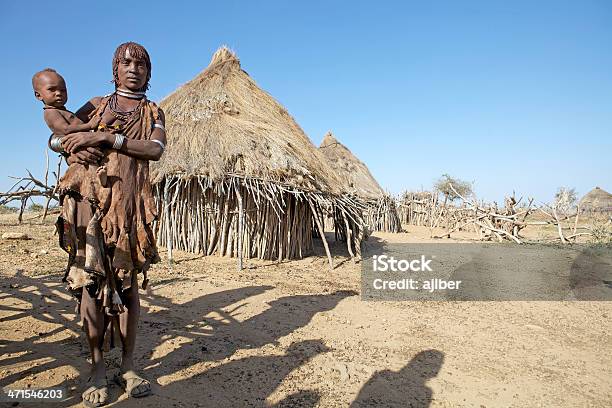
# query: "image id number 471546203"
x,y
32,394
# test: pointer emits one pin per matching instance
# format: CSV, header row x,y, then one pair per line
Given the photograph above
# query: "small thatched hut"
x,y
381,214
239,177
596,200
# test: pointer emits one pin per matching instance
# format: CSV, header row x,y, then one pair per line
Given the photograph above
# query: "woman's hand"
x,y
88,155
75,141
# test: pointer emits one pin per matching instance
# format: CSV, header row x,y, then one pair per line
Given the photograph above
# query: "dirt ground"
x,y
296,334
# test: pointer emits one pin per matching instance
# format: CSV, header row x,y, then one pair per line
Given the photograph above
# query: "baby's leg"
x,y
102,175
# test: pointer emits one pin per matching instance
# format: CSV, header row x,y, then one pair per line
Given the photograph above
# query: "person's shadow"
x,y
242,382
591,274
404,388
206,338
49,332
190,335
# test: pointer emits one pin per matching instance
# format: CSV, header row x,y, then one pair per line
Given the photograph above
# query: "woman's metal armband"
x,y
55,143
119,139
159,142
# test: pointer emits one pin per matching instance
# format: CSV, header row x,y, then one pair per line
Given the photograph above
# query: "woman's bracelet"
x,y
119,139
55,144
159,142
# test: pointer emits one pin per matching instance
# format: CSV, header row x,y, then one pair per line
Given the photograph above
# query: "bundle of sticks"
x,y
507,222
490,221
26,188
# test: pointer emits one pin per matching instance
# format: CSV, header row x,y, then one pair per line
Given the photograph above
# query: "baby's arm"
x,y
78,127
60,126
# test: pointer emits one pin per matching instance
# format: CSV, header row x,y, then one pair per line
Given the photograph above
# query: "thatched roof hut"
x,y
355,175
596,200
381,214
239,176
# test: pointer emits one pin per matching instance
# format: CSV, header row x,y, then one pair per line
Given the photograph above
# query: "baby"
x,y
50,88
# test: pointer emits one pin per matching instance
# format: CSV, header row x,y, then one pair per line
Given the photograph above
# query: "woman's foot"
x,y
134,385
96,395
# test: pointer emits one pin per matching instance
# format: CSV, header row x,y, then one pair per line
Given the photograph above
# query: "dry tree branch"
x,y
28,187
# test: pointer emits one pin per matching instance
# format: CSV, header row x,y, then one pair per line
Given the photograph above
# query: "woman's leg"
x,y
136,386
79,213
94,323
128,325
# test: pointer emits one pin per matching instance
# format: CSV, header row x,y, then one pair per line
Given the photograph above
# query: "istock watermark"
x,y
383,263
486,271
386,263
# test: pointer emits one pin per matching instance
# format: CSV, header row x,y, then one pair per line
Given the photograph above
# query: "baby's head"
x,y
50,88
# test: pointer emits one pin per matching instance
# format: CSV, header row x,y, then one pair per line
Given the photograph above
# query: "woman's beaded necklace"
x,y
117,112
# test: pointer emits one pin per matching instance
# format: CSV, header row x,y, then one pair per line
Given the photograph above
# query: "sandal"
x,y
101,397
130,381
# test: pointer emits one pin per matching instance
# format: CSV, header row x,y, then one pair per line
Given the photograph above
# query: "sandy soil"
x,y
296,334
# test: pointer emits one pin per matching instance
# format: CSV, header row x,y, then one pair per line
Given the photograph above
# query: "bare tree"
x,y
452,189
565,199
459,188
28,187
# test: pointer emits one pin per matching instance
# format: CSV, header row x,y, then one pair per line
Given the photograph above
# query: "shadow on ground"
x,y
208,331
190,330
404,388
36,353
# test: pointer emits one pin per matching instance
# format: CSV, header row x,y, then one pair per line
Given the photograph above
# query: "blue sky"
x,y
510,95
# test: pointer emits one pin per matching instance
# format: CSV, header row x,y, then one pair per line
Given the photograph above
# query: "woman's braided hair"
x,y
137,51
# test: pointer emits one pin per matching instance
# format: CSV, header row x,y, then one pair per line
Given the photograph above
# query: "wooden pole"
x,y
240,226
349,242
315,215
168,220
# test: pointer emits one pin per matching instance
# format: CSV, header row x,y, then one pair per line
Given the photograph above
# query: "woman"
x,y
109,242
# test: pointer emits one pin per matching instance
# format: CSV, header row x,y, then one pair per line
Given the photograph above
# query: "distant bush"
x,y
602,232
35,207
5,209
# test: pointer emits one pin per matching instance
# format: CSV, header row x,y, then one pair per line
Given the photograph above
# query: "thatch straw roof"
x,y
221,123
355,175
596,200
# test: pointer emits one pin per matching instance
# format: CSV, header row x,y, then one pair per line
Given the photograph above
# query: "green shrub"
x,y
5,209
35,207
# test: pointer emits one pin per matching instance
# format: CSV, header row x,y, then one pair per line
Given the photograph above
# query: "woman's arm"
x,y
88,155
140,149
79,140
146,149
